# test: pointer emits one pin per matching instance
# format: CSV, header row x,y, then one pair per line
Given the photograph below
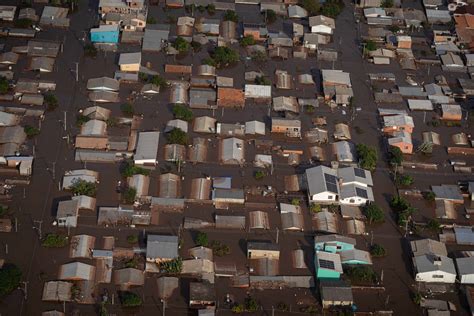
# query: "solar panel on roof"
x,y
362,193
331,182
330,178
359,172
326,264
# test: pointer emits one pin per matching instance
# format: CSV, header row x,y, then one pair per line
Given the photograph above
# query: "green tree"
x,y
332,8
129,195
182,112
405,180
51,101
396,156
151,20
219,249
367,156
377,250
387,4
251,304
399,204
132,239
259,56
130,299
3,210
23,23
172,266
83,187
196,46
271,16
127,109
370,45
177,136
211,9
90,51
262,81
181,45
202,239
429,196
224,56
159,81
247,41
128,169
31,131
230,15
259,175
315,208
54,241
295,202
434,225
10,276
361,274
4,85
81,120
312,6
238,308
374,214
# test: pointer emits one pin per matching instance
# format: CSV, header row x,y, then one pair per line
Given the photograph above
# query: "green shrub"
x,y
81,120
387,4
181,45
259,175
130,299
159,81
151,20
196,46
211,9
312,6
127,109
90,50
262,81
295,202
129,169
315,208
370,45
367,156
247,41
377,250
177,136
361,274
238,309
173,266
396,156
399,204
182,112
54,241
405,180
4,85
251,304
131,263
230,15
132,239
429,196
10,277
31,131
202,239
129,195
434,225
23,23
259,57
374,214
224,56
82,187
51,101
271,16
332,8
219,249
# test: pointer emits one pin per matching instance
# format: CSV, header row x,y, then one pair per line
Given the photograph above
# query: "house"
x,y
103,84
258,31
179,124
54,17
333,243
160,248
204,124
255,128
322,24
140,183
41,64
355,257
289,127
434,269
253,91
374,12
451,112
342,132
283,80
72,176
202,295
327,265
230,97
322,184
128,277
228,196
147,149
335,294
104,96
465,268
169,186
403,141
7,12
208,26
121,6
185,26
432,4
9,58
345,151
57,291
464,31
262,249
355,194
448,192
297,12
105,34
155,38
67,214
130,62
398,123
438,16
353,175
232,151
76,271
228,31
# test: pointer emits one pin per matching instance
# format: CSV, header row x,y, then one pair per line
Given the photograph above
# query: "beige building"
x,y
262,249
130,62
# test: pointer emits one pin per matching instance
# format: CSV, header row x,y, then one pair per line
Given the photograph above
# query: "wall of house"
x,y
325,197
356,201
467,279
130,67
436,277
257,253
321,29
334,247
327,274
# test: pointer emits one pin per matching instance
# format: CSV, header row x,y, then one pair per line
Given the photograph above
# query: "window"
x,y
438,276
330,197
351,201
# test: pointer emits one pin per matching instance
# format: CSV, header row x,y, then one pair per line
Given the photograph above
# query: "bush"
x,y
132,239
211,9
259,56
127,109
230,15
259,175
130,299
247,41
309,108
262,81
182,112
405,180
142,76
396,156
10,276
283,307
387,4
54,241
196,46
4,85
238,308
374,214
399,204
181,45
251,304
202,239
90,50
3,210
377,250
81,120
332,8
434,225
315,208
129,169
177,136
23,23
131,263
219,249
31,131
361,274
429,196
367,156
151,20
51,101
129,195
295,202
83,187
417,298
312,6
159,81
271,16
370,45
172,266
224,56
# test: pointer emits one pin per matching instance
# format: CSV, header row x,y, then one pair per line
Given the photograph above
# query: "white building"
x,y
356,186
322,184
147,148
465,267
322,24
434,269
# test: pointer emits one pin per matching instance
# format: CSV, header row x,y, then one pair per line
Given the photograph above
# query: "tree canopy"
x,y
367,156
10,276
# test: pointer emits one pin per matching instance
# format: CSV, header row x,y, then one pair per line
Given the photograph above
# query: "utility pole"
x,y
278,233
6,249
65,120
39,227
54,170
164,307
16,224
371,238
77,72
25,289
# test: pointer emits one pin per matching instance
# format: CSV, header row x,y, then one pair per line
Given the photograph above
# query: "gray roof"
x,y
322,179
12,134
94,128
166,286
130,58
147,146
334,238
447,192
464,235
431,263
45,49
336,291
155,38
45,64
345,151
162,246
232,150
76,271
103,83
262,245
223,194
129,276
353,174
465,265
428,246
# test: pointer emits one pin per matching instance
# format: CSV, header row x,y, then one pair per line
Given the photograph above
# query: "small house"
x,y
7,12
161,248
333,243
147,149
465,268
451,112
297,12
322,24
76,271
228,196
232,151
255,128
130,62
67,214
355,257
434,269
323,184
328,265
262,249
230,97
289,127
129,277
202,295
336,294
398,123
403,141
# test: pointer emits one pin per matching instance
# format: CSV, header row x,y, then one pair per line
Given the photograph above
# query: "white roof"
x,y
336,77
255,127
147,146
258,91
232,150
